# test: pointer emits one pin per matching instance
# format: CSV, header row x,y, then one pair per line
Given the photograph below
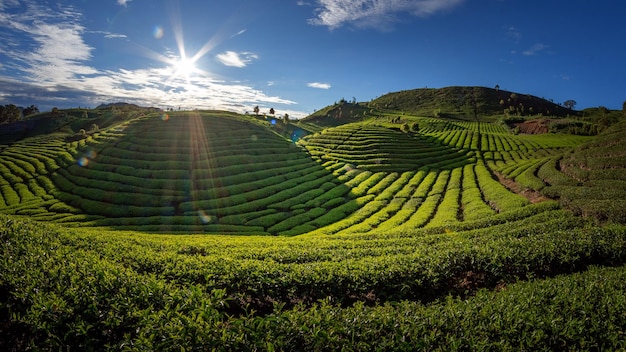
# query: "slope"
x,y
596,177
228,173
458,102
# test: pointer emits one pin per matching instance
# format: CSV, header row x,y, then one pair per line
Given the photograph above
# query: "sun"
x,y
184,67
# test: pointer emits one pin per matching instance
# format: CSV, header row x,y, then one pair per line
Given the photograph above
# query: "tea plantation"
x,y
218,231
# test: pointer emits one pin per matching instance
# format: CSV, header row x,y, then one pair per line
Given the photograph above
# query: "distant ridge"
x,y
462,101
118,104
454,102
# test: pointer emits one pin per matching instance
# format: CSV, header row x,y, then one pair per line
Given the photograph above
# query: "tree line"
x,y
11,113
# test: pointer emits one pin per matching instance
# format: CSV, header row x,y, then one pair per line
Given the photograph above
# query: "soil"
x,y
534,126
532,195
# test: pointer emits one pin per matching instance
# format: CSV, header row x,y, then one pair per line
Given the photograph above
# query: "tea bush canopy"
x,y
209,229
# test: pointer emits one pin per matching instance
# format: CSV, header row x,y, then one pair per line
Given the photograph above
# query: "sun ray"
x,y
203,165
182,69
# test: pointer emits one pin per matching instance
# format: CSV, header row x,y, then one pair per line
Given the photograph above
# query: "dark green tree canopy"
x,y
9,113
569,104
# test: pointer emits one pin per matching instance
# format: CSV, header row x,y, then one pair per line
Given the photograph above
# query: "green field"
x,y
209,230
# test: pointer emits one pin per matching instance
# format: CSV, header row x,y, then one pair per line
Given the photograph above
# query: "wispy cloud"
x,y
535,49
123,2
513,33
51,47
231,58
319,85
374,13
49,63
114,35
239,33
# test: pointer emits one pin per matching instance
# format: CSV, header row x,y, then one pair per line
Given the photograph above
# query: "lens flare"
x,y
157,32
83,161
204,217
297,135
165,117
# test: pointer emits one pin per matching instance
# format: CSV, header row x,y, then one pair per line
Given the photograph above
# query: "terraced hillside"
x,y
424,237
593,181
231,174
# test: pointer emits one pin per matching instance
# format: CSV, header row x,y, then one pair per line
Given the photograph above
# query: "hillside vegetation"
x,y
203,172
467,103
214,230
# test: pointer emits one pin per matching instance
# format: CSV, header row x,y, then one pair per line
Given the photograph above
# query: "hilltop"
x,y
466,103
469,102
70,121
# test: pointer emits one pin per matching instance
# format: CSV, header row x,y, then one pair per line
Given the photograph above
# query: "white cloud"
x,y
535,49
319,85
49,63
231,58
51,47
374,13
123,2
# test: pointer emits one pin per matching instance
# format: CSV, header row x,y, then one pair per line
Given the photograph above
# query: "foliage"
x,y
387,240
466,102
91,288
9,113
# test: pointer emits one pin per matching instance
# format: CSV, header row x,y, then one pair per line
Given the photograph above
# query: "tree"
x,y
30,110
256,110
272,112
9,113
569,104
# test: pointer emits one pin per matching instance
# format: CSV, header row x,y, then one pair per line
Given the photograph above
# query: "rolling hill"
x,y
465,103
206,172
388,230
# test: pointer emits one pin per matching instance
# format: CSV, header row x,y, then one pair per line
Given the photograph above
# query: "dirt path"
x,y
532,195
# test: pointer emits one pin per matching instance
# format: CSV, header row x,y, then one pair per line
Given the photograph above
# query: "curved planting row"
x,y
498,146
207,173
593,177
403,202
25,186
201,173
376,148
101,288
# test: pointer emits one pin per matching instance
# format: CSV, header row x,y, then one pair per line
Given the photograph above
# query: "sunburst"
x,y
184,67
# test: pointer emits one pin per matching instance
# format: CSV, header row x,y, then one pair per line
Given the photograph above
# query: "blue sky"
x,y
301,55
